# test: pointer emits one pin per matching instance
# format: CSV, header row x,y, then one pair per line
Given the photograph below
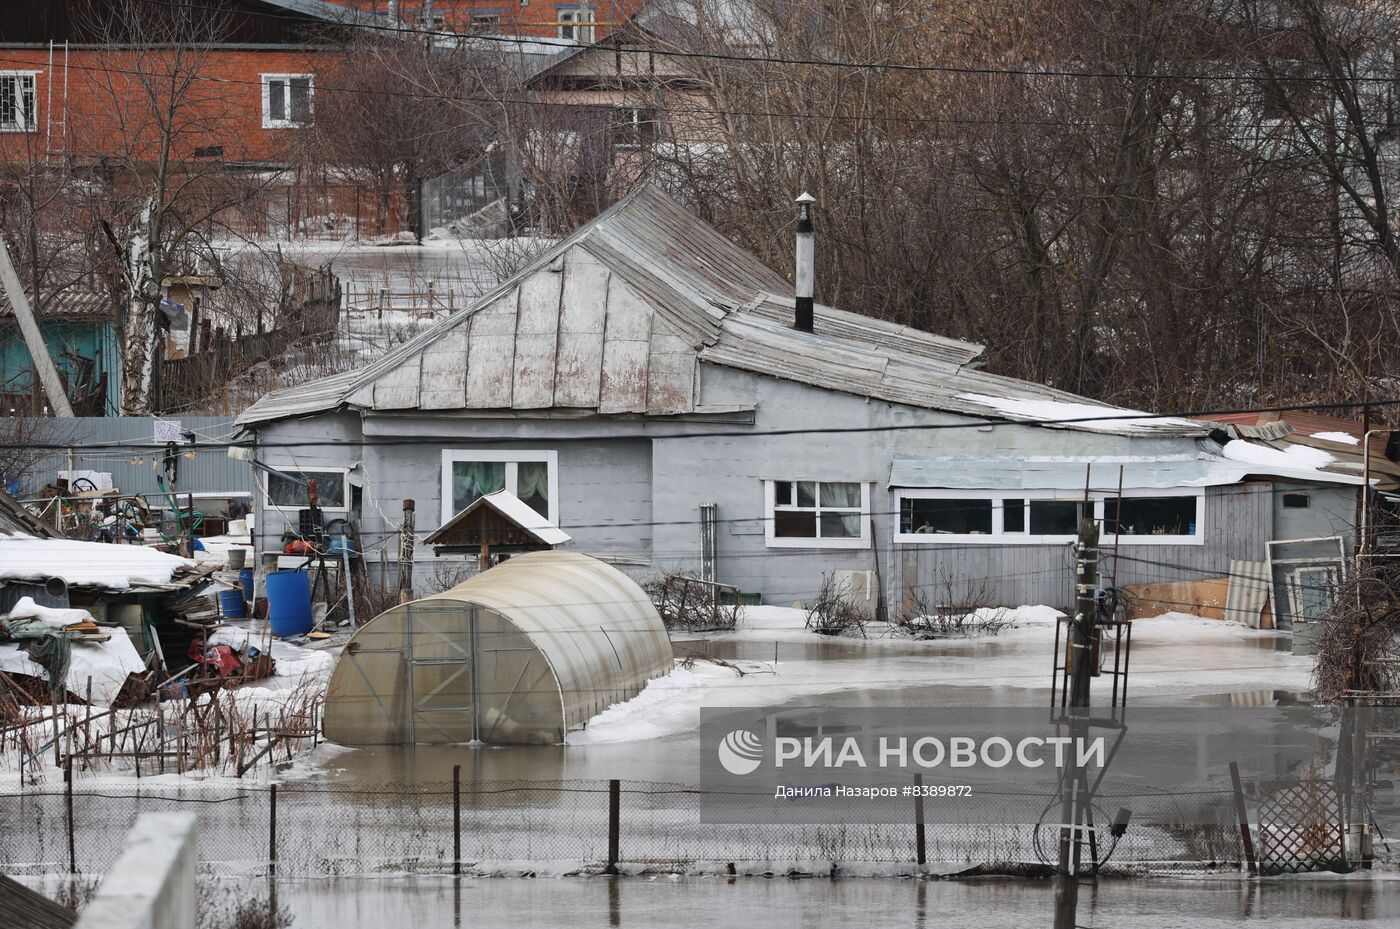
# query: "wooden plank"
x,y
536,338
443,384
582,321
491,354
626,351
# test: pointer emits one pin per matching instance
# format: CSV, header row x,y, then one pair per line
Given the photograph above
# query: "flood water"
x,y
780,903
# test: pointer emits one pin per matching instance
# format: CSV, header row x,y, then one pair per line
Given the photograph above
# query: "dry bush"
x,y
952,608
685,602
228,909
1358,648
833,613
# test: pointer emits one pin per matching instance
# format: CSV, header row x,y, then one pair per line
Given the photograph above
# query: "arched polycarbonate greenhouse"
x,y
523,652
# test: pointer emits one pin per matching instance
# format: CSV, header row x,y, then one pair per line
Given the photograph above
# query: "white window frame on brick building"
x,y
21,89
287,120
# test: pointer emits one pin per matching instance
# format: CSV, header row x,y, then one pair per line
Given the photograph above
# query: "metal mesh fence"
x,y
524,827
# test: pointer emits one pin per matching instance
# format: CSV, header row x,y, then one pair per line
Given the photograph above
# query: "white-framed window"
x,y
332,489
570,17
1172,516
817,514
532,475
17,101
635,126
485,21
287,100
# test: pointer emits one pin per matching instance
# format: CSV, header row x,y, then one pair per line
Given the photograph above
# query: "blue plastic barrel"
x,y
245,580
231,603
289,603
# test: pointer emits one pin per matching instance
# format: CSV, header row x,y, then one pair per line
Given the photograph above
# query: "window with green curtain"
x,y
472,479
532,485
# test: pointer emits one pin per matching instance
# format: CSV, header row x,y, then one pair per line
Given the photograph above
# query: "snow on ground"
x,y
107,663
1175,656
116,567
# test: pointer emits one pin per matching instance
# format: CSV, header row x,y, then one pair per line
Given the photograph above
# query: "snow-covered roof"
x,y
1211,466
618,316
512,508
86,564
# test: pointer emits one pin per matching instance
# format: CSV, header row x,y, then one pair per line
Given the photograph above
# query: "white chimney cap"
x,y
805,197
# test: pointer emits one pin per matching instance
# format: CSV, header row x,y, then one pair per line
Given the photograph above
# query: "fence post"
x,y
920,853
456,819
272,834
614,815
1245,841
68,803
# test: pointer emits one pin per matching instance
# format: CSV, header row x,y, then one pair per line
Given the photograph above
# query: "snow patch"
x,y
107,663
57,617
1341,438
1295,457
97,564
1088,416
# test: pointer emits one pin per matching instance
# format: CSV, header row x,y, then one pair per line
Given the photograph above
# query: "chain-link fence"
x,y
560,827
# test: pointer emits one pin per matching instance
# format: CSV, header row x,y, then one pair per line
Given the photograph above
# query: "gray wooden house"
x,y
643,386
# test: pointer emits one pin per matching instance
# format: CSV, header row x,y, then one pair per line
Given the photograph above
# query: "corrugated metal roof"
x,y
70,304
534,343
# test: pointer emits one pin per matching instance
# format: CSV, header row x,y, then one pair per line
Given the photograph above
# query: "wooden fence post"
x,y
920,851
1245,841
614,817
456,819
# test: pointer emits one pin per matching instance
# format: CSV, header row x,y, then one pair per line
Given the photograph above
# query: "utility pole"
x,y
33,337
1074,787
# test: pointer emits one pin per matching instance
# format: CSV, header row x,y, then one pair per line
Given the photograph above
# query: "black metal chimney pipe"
x,y
806,264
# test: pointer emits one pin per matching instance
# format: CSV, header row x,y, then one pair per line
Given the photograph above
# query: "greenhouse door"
x,y
441,647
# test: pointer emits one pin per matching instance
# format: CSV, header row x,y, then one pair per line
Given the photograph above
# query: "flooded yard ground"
x,y
782,903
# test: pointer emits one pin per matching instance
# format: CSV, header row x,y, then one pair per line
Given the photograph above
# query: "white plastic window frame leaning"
x,y
770,510
1000,537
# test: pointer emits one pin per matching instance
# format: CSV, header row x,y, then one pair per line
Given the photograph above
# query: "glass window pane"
x,y
277,100
795,524
840,494
1055,517
472,479
841,525
956,517
1150,516
806,493
782,493
532,485
301,99
1013,516
330,489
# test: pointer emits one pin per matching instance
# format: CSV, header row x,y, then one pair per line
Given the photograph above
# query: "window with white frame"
x,y
17,107
964,516
817,514
571,19
531,475
287,100
635,126
332,488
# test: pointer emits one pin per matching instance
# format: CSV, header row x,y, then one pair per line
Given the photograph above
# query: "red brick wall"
x,y
536,18
107,113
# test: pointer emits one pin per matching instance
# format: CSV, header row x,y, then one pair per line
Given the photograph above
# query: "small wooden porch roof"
x,y
497,519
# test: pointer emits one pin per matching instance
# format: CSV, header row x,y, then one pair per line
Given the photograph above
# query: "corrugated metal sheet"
x,y
647,290
1248,591
125,447
70,304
